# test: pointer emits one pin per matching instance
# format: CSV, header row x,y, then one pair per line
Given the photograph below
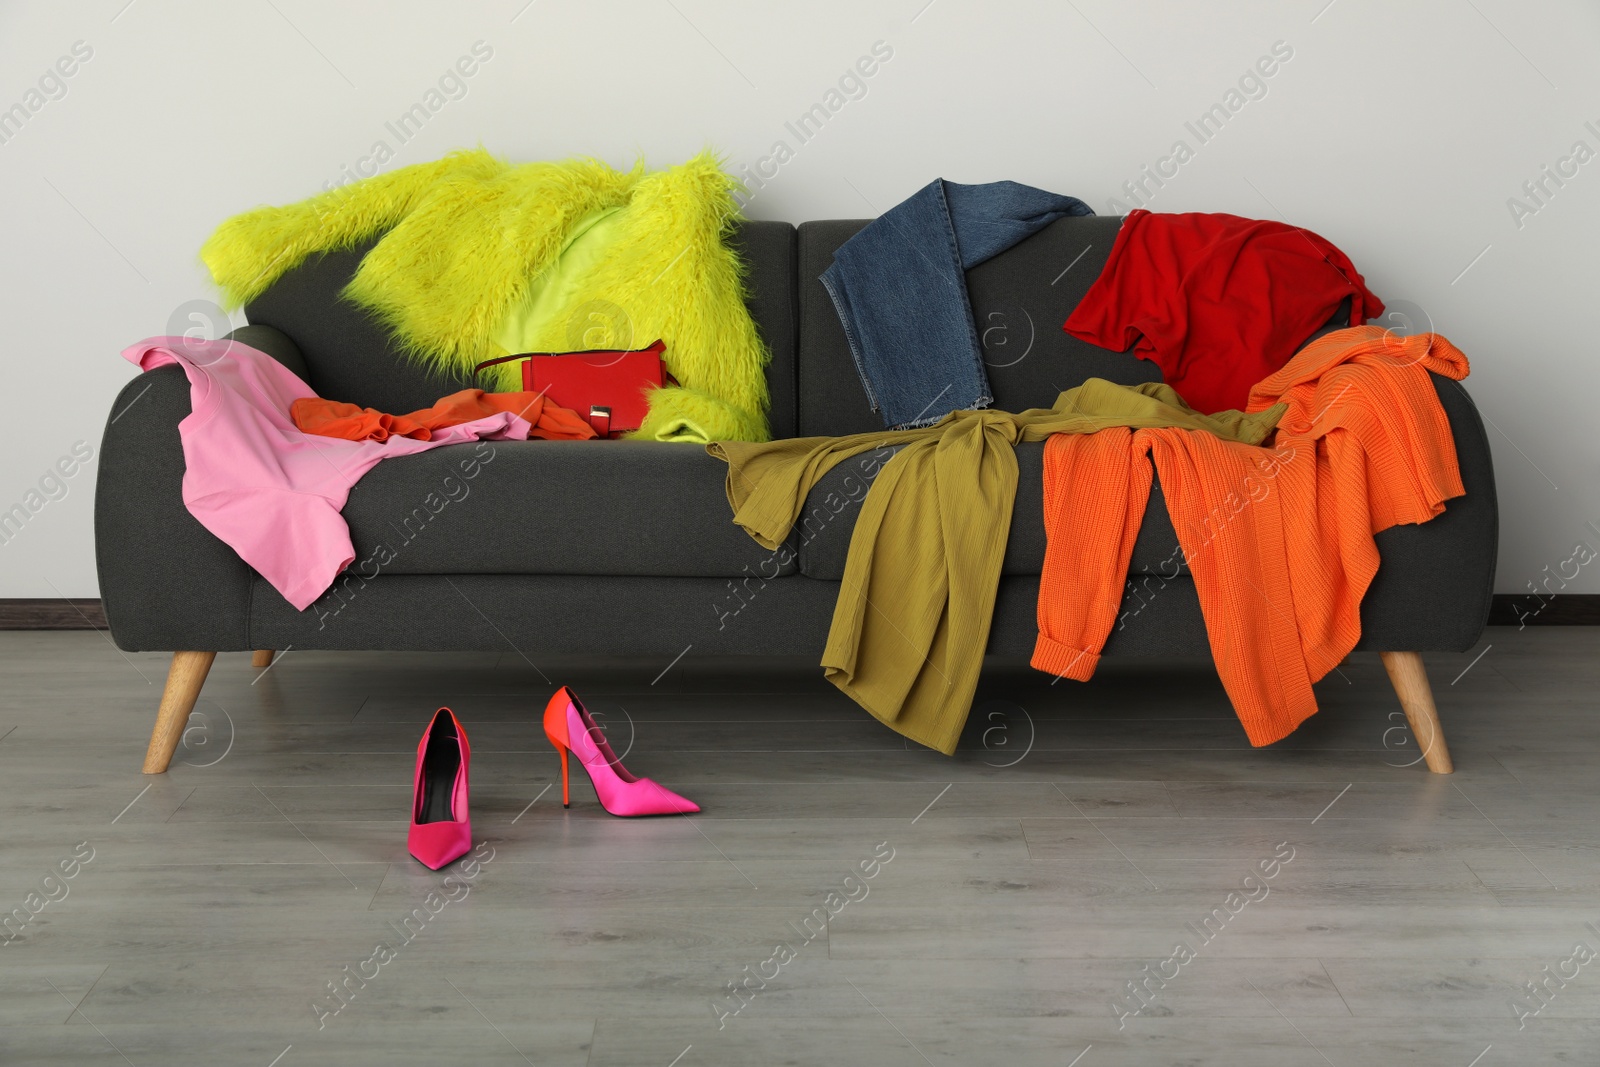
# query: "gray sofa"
x,y
644,528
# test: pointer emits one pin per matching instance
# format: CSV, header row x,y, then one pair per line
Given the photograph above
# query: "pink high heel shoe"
x,y
569,727
441,829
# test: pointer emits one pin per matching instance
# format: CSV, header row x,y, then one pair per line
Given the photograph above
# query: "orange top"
x,y
1278,538
330,418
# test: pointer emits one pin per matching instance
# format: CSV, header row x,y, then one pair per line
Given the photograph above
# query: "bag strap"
x,y
493,362
658,347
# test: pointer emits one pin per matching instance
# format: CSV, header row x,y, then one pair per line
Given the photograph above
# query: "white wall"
x,y
1397,130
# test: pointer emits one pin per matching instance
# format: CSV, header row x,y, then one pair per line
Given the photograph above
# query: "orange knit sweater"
x,y
1278,538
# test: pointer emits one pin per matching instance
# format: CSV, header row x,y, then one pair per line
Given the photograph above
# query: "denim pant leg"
x,y
900,289
902,299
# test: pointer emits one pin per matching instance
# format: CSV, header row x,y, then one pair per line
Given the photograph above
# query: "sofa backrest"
x,y
1019,298
1019,301
351,357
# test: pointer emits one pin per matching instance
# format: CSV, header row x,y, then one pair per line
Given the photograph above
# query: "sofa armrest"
x,y
275,343
167,583
1436,580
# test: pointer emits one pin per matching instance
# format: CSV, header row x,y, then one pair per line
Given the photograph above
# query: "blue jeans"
x,y
901,293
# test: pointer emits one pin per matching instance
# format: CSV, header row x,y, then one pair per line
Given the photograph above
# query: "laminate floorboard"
x,y
1042,881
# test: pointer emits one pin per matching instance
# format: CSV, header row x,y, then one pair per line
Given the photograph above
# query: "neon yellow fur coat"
x,y
481,258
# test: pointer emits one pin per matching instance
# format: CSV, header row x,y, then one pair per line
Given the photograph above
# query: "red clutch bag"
x,y
609,388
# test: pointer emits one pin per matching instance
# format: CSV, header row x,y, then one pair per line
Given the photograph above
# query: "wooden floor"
x,y
1081,835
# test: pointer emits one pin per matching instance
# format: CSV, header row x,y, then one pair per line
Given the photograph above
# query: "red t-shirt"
x,y
1216,301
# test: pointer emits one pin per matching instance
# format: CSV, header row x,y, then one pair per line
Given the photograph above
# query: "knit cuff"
x,y
1053,657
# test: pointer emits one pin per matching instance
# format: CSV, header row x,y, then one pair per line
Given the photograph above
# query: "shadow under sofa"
x,y
628,547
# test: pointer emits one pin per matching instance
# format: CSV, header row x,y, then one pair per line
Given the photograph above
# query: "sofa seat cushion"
x,y
639,508
823,532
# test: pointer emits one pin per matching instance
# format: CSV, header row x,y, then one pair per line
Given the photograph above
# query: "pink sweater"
x,y
269,491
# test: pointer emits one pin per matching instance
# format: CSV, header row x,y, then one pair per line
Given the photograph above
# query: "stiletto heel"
x,y
555,728
441,827
569,726
566,792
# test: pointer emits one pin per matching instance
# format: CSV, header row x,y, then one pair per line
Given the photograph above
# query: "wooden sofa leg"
x,y
1410,681
262,658
184,679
